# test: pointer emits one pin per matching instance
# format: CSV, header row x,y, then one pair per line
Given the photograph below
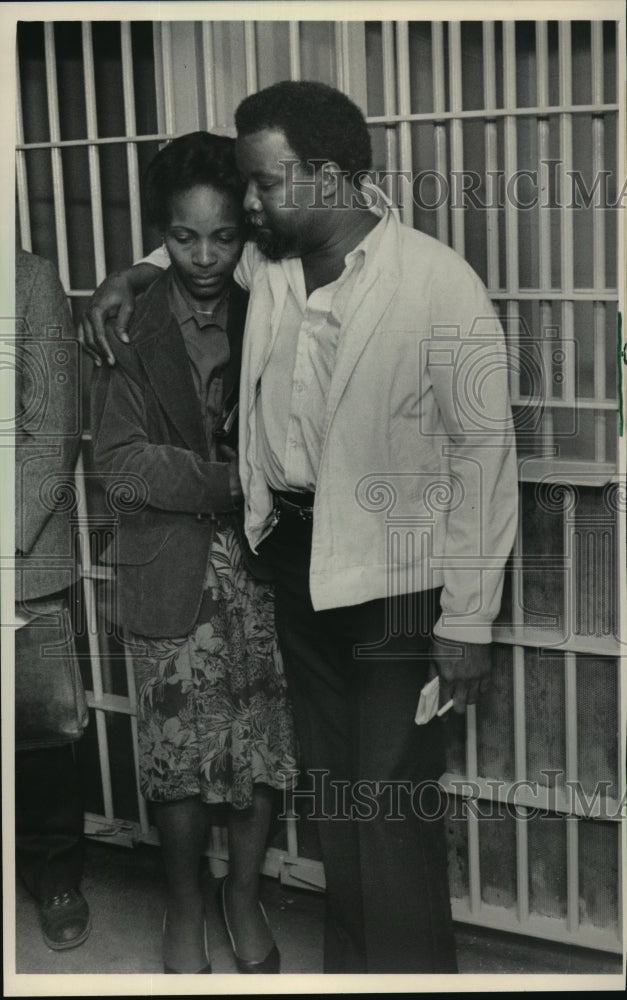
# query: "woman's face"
x,y
204,239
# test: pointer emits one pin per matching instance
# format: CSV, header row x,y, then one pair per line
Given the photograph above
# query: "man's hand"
x,y
111,308
464,669
113,300
229,455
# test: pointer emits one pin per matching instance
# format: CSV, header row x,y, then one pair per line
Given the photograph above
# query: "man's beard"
x,y
275,246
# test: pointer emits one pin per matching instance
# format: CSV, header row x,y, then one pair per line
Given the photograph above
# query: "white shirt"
x,y
291,413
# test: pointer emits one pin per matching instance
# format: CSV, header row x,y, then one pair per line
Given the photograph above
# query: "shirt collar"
x,y
381,206
184,312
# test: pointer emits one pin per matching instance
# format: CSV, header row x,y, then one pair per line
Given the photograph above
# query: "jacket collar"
x,y
156,337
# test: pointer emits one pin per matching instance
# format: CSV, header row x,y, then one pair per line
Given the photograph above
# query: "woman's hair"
x,y
319,122
192,159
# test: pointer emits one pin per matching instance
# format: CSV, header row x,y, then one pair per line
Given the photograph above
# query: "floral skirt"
x,y
212,707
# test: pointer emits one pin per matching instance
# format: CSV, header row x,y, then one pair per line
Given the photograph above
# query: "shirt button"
x,y
299,386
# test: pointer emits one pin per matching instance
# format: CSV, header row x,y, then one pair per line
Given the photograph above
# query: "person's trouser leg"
x,y
387,893
318,693
406,906
49,820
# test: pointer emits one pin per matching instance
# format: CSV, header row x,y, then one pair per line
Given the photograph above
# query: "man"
x,y
48,806
378,469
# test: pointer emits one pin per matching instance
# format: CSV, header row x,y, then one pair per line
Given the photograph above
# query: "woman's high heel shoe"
x,y
270,964
206,969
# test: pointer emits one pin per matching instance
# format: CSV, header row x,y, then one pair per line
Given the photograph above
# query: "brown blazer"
x,y
47,430
149,441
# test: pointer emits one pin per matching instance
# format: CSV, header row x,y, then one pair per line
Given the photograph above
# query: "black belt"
x,y
294,504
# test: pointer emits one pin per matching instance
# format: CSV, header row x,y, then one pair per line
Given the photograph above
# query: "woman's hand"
x,y
229,455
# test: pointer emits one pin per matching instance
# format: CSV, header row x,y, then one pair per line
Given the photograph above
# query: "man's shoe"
x,y
65,919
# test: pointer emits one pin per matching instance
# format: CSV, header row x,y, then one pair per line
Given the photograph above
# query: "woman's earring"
x,y
165,250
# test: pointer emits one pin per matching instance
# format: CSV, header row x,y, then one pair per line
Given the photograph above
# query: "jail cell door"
x,y
502,139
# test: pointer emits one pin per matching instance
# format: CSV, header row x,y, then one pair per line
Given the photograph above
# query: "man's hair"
x,y
192,159
319,122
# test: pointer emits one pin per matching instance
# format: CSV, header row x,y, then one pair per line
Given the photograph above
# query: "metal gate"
x,y
504,139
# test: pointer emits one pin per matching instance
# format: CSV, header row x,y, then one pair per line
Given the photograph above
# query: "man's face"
x,y
283,196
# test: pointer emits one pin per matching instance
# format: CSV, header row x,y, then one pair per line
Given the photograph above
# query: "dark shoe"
x,y
206,969
65,919
270,964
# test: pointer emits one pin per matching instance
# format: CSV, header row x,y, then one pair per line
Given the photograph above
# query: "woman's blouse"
x,y
207,346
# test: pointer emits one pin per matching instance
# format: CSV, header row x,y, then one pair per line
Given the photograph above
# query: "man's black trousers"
x,y
387,898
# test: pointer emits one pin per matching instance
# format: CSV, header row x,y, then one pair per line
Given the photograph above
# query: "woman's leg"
x,y
248,834
183,828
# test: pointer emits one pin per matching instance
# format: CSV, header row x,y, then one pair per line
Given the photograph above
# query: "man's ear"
x,y
331,181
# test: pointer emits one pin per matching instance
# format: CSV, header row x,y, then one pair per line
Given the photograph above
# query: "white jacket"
x,y
417,484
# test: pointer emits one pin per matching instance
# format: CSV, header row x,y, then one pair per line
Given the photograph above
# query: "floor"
x,y
125,892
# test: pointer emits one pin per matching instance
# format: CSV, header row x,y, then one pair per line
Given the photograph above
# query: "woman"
x,y
213,719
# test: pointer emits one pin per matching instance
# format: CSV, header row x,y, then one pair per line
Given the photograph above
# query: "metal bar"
x,y
556,295
544,226
566,800
522,841
110,703
490,150
158,57
92,636
474,863
168,77
128,88
101,141
561,404
510,156
545,928
21,172
598,239
456,129
292,838
621,574
250,56
526,295
405,158
439,126
580,295
341,56
57,164
95,191
442,116
510,152
506,112
350,60
572,829
389,103
520,726
566,218
294,46
206,34
571,572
